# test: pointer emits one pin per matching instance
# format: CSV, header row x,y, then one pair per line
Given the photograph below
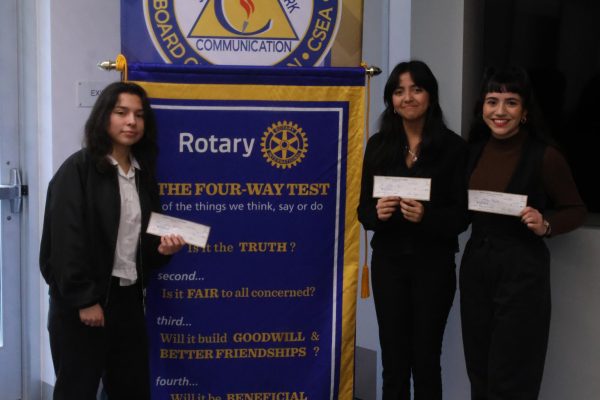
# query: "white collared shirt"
x,y
130,223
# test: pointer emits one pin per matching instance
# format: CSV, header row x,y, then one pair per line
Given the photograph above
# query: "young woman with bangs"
x,y
505,269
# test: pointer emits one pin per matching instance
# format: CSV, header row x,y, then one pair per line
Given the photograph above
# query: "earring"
x,y
523,120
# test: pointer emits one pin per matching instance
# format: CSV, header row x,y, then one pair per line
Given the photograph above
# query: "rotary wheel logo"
x,y
284,144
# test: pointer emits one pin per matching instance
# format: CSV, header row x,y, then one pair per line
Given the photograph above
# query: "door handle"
x,y
14,191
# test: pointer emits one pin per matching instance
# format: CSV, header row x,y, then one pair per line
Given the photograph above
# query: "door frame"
x,y
11,314
31,26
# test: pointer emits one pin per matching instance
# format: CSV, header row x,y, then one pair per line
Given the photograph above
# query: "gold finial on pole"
x,y
108,65
120,64
373,70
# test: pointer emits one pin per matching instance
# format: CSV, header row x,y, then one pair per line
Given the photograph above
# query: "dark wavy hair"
x,y
509,79
393,137
97,139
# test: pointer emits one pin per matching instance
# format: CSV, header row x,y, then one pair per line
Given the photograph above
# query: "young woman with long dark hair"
x,y
414,242
94,250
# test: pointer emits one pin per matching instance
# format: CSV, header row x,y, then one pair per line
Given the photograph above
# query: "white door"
x,y
10,219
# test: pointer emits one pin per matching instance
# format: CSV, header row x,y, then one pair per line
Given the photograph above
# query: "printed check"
x,y
192,232
408,188
497,202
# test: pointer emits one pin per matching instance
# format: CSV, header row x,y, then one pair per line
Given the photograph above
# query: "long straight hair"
x,y
97,139
393,141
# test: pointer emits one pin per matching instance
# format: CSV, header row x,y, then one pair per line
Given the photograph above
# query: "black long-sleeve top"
x,y
445,214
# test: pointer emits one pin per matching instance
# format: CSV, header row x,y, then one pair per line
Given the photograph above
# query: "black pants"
x,y
505,312
117,353
413,295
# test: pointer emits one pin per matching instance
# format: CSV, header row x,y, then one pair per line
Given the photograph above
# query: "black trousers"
x,y
116,353
413,295
505,313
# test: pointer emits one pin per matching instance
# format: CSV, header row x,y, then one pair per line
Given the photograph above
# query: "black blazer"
x,y
79,235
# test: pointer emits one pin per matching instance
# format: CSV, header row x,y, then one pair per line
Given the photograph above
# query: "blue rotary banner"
x,y
270,159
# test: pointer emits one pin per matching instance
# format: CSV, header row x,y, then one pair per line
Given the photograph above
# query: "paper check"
x,y
409,188
497,202
192,232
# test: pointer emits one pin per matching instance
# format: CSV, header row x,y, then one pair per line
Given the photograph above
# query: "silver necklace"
x,y
414,155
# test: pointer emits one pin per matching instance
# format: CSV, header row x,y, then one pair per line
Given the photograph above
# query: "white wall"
x,y
80,33
376,40
84,32
33,104
437,39
573,359
446,34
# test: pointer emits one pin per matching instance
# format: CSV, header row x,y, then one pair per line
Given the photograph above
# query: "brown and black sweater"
x,y
498,162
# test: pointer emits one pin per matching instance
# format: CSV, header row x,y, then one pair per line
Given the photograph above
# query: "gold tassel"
x,y
365,291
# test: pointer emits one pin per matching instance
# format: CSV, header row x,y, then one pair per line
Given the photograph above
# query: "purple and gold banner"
x,y
270,160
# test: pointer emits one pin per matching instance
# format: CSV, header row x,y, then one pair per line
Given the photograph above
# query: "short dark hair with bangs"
x,y
510,79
